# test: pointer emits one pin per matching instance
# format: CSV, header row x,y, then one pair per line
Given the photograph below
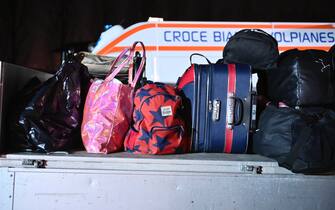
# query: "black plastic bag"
x,y
300,140
51,119
15,132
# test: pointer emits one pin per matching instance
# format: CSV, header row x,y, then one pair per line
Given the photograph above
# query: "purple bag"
x,y
51,119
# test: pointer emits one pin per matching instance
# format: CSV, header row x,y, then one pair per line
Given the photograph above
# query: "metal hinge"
x,y
252,169
34,163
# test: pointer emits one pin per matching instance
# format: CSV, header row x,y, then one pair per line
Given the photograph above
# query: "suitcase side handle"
x,y
234,111
238,111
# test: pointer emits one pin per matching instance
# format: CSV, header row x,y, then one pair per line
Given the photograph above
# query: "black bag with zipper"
x,y
300,140
254,47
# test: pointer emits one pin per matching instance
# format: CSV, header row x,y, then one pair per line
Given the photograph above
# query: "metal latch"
x,y
34,163
252,169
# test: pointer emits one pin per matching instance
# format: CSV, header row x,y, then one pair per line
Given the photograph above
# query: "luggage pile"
x,y
297,128
214,107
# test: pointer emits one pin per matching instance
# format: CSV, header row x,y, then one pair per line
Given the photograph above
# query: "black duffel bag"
x,y
300,140
303,78
252,46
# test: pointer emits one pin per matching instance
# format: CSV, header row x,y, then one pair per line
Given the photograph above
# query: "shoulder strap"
x,y
115,70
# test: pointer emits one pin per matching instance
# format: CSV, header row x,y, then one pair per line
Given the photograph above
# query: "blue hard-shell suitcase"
x,y
223,108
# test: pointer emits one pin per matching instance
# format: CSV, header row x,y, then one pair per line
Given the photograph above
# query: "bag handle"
x,y
129,60
113,73
201,55
238,111
141,66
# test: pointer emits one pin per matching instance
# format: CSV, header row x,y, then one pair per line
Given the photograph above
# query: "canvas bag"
x,y
99,65
159,123
108,107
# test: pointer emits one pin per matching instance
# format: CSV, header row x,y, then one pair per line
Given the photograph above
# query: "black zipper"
x,y
209,102
197,108
161,128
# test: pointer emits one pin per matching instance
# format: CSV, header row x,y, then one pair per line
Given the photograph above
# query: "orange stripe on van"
x,y
303,26
203,48
109,47
169,48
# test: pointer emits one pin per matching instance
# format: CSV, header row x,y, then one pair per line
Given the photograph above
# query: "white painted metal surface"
x,y
197,162
191,181
6,188
76,189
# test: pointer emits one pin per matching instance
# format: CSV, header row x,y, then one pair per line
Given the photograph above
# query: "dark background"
x,y
34,32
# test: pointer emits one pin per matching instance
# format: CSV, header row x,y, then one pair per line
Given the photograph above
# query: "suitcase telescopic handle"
x,y
201,55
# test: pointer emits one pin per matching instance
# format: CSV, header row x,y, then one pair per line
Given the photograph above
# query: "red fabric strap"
x,y
231,92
